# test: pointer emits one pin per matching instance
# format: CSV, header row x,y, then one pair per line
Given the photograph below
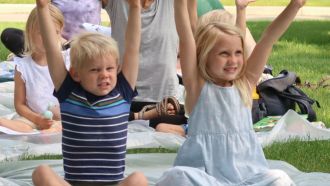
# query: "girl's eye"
x,y
224,54
94,70
238,53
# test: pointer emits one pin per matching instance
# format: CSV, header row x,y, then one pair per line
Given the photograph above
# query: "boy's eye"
x,y
94,70
110,68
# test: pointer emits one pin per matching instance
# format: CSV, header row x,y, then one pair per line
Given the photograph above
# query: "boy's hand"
x,y
241,4
134,3
42,3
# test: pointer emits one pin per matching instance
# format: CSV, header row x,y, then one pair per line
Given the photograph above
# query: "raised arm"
x,y
193,17
50,40
241,14
274,31
192,80
130,65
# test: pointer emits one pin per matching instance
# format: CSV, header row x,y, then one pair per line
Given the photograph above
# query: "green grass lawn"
x,y
303,49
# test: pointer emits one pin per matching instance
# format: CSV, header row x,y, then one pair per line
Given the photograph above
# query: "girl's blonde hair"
x,y
32,24
219,15
88,45
206,38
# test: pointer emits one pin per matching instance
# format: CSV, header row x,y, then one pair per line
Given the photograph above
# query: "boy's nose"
x,y
103,73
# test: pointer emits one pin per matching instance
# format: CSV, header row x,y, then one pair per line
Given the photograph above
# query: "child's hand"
x,y
134,3
44,123
42,3
56,112
298,3
241,4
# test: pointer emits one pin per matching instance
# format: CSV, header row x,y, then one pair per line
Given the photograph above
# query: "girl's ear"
x,y
74,74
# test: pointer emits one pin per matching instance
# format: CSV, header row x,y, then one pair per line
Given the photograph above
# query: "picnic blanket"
x,y
7,71
140,135
152,165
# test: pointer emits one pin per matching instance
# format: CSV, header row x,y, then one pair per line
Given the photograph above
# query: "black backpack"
x,y
278,95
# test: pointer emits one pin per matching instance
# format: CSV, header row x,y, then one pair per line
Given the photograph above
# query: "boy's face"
x,y
98,76
225,60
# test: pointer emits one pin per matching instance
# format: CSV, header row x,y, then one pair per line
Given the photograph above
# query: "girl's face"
x,y
225,60
38,46
98,76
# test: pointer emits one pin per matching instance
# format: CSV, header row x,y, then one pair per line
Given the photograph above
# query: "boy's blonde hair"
x,y
219,15
88,45
206,37
32,24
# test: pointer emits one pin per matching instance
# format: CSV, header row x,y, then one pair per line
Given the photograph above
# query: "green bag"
x,y
204,6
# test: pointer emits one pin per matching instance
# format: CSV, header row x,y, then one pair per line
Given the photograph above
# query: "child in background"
x,y
33,92
222,148
95,98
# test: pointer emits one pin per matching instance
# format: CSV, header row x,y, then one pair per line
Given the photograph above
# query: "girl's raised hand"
x,y
299,3
42,3
243,3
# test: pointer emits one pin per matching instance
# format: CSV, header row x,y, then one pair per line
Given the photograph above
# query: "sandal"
x,y
143,110
161,107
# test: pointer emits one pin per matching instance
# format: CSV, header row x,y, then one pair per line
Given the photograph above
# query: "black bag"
x,y
278,95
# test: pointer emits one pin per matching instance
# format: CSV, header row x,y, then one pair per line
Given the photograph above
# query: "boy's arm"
x,y
260,54
241,14
55,59
193,17
192,79
130,65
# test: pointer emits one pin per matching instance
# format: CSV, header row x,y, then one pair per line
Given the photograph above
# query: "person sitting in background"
x,y
33,92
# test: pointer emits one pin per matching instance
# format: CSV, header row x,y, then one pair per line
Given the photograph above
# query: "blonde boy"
x,y
95,98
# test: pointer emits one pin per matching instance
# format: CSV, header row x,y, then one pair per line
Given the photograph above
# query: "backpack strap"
x,y
279,83
303,101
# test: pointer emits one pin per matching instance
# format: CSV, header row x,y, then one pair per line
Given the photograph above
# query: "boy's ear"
x,y
74,74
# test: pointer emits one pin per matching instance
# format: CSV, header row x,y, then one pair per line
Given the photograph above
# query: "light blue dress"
x,y
221,145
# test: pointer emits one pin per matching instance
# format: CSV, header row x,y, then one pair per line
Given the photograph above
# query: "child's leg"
x,y
134,179
170,128
43,175
273,177
16,125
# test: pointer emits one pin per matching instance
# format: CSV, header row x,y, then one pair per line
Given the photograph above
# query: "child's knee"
x,y
136,178
281,177
39,172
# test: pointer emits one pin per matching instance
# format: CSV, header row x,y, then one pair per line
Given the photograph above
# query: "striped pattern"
x,y
94,136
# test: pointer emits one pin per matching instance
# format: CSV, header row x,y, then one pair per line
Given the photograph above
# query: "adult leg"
x,y
43,175
170,128
13,40
134,179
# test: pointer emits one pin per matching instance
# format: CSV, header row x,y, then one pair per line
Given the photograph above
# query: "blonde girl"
x,y
222,148
33,85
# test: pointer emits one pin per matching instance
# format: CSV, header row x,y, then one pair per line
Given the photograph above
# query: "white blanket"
x,y
152,165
